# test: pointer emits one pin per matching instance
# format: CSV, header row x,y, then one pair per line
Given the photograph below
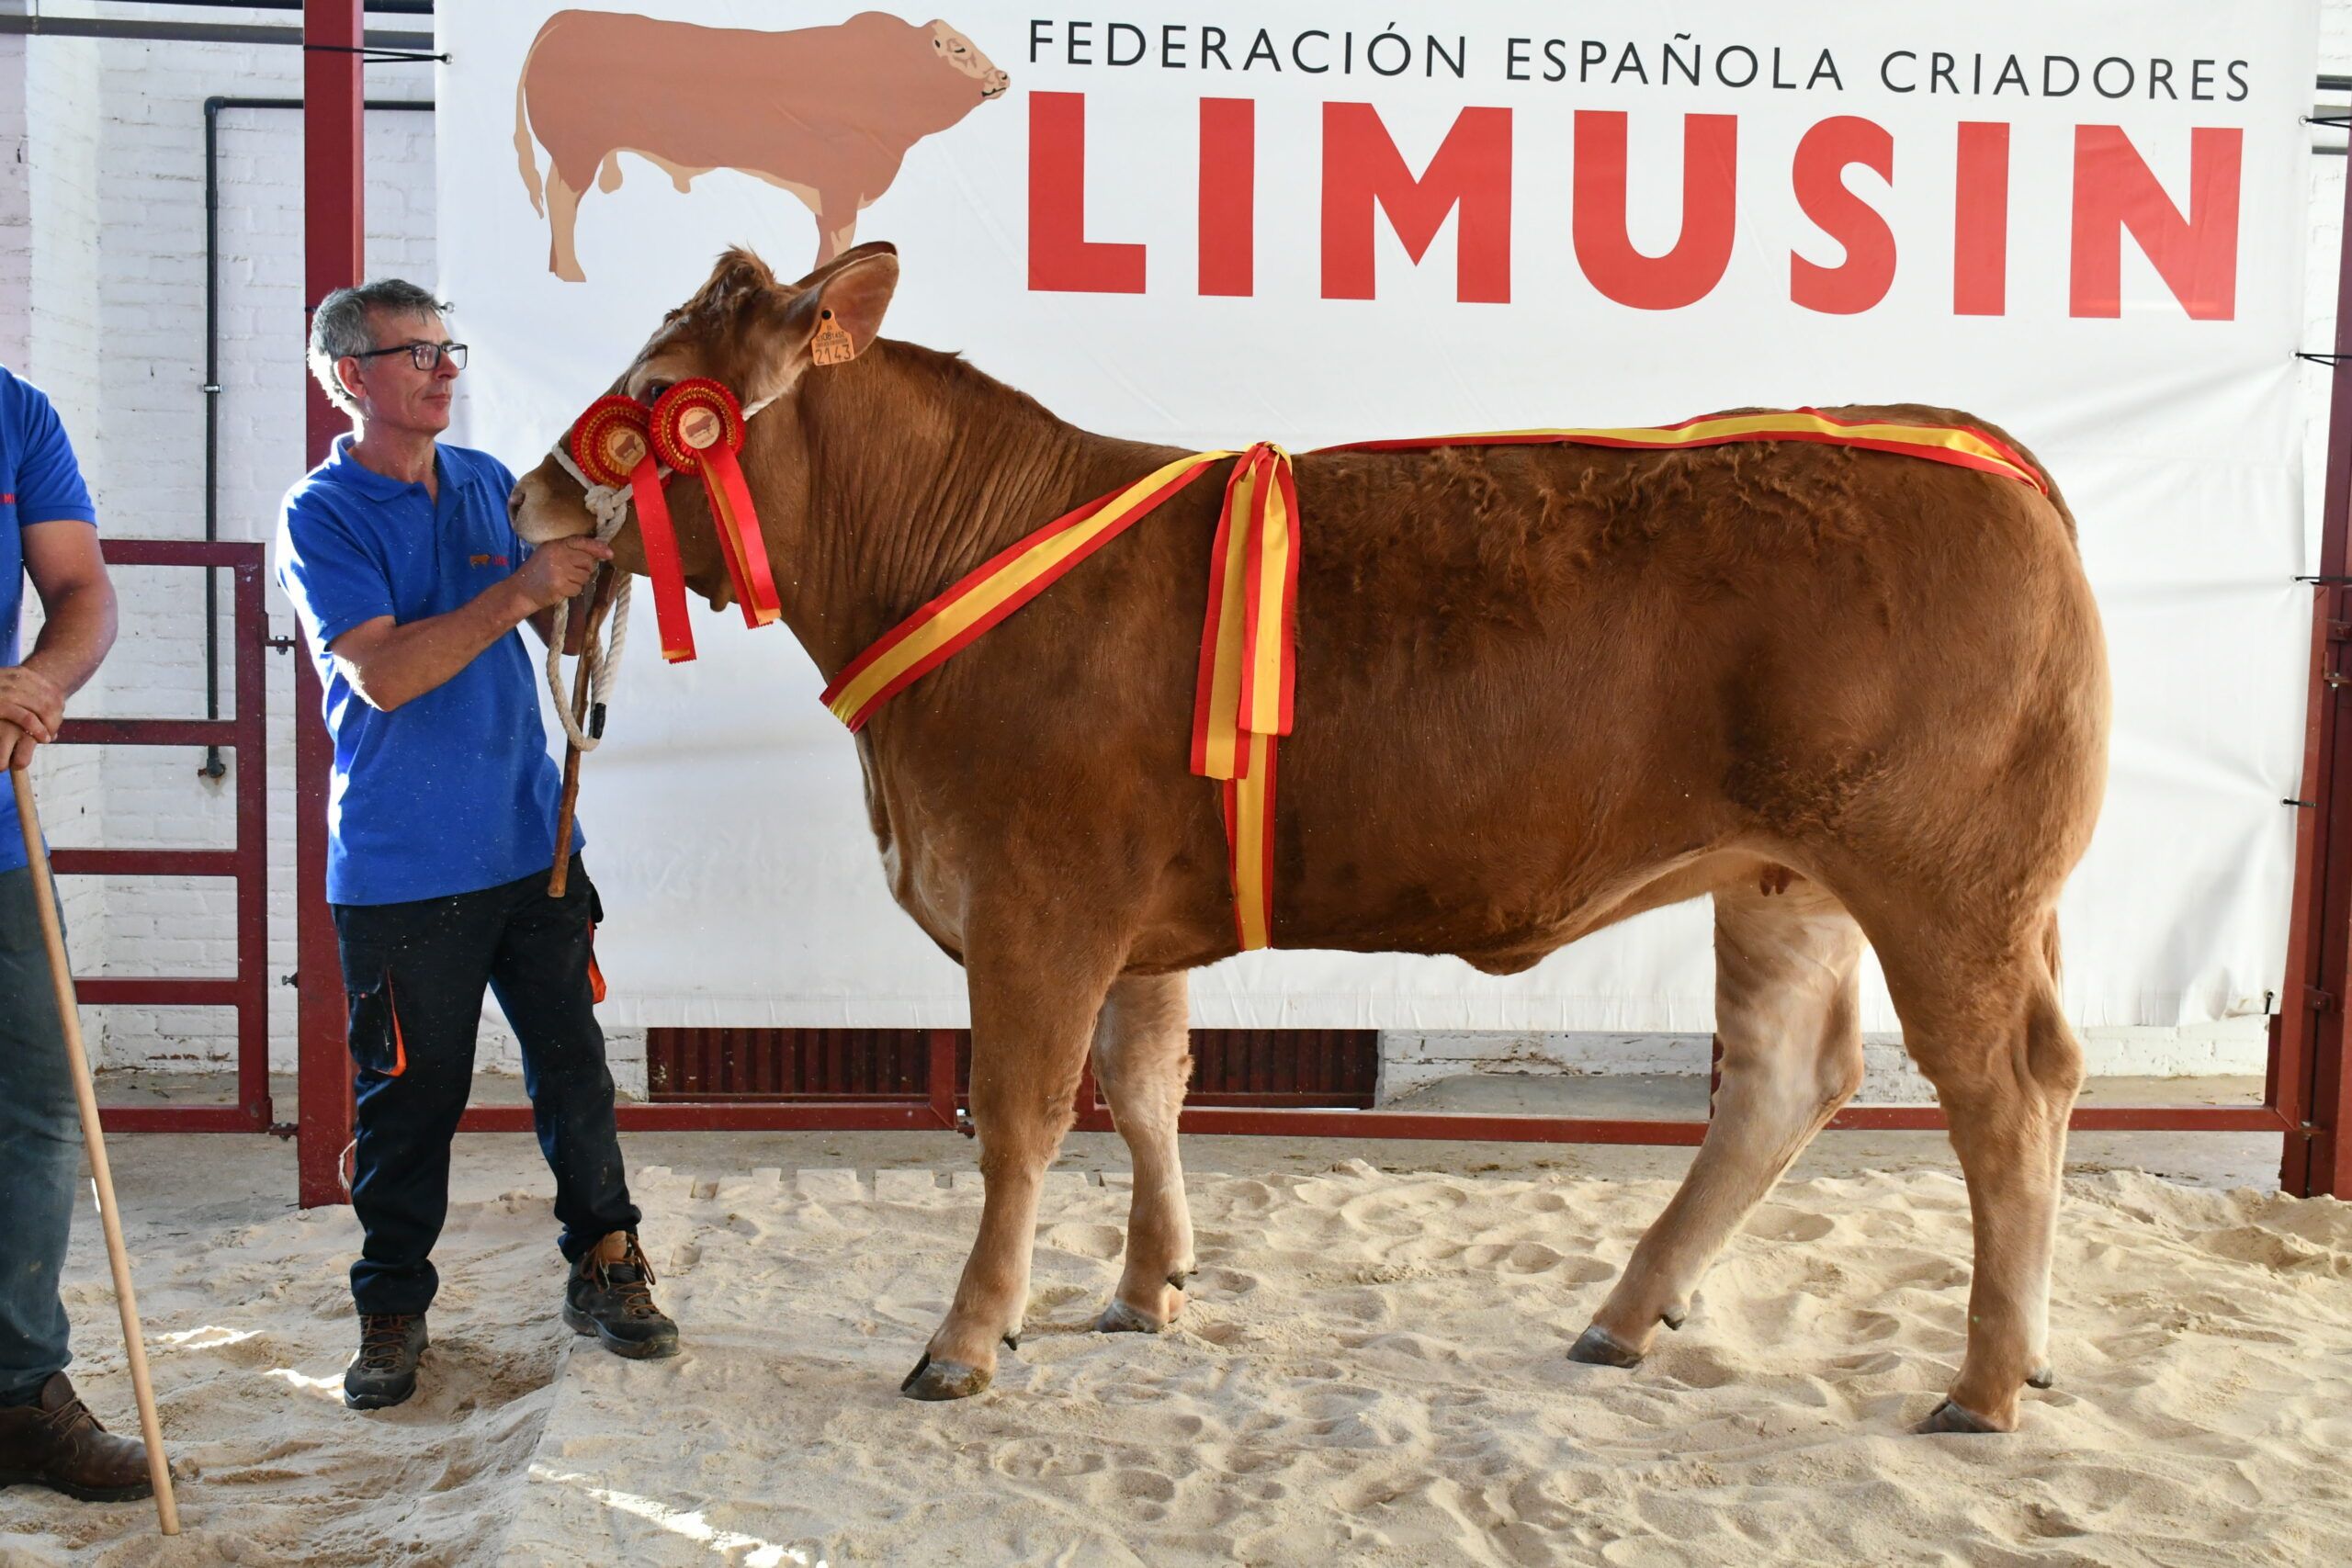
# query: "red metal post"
x,y
335,252
250,618
940,1075
2308,1075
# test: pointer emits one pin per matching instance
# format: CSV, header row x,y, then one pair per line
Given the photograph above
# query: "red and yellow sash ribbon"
x,y
1956,445
946,625
1249,666
612,444
1248,670
1248,661
697,427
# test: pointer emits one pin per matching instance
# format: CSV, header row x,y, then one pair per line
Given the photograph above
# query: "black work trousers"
x,y
415,975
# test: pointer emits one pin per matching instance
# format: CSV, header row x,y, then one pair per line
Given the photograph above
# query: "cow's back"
x,y
721,97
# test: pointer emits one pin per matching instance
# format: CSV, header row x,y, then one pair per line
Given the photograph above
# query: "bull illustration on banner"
x,y
826,113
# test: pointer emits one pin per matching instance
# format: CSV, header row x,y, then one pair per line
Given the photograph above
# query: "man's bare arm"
x,y
77,600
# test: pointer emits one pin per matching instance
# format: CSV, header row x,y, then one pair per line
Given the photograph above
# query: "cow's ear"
x,y
831,316
847,302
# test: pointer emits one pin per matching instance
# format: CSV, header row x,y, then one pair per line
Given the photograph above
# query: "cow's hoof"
x,y
942,1379
2045,1377
1595,1347
1121,1318
1675,1317
1951,1417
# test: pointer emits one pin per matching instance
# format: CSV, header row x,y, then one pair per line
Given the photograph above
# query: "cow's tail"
x,y
527,151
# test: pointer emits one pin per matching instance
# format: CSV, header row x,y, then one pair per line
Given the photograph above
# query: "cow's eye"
x,y
653,393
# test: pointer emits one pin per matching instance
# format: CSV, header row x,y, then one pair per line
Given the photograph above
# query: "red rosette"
x,y
693,418
611,439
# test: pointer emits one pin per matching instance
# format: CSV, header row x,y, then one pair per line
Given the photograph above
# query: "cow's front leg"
x,y
563,217
1034,1005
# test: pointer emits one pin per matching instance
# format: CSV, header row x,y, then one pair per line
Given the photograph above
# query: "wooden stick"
x,y
86,1095
599,599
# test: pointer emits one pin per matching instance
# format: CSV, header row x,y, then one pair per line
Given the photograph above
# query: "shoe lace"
x,y
69,1416
630,1277
383,1336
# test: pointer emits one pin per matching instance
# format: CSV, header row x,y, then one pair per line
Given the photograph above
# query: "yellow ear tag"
x,y
832,345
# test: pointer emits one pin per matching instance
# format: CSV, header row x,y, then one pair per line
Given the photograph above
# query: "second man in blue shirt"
x,y
410,586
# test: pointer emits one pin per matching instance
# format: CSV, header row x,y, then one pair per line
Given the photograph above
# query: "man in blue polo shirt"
x,y
47,532
410,584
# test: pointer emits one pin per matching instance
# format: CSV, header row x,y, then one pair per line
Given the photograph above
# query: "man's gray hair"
x,y
339,327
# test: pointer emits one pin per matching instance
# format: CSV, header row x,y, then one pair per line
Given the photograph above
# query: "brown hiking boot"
x,y
610,1295
57,1443
384,1372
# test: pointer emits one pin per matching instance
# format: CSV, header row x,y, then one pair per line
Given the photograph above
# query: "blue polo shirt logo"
x,y
453,790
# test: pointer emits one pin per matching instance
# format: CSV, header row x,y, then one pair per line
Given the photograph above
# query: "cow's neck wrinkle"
x,y
969,466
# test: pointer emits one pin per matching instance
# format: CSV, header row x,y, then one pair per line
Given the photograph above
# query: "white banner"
x,y
2084,223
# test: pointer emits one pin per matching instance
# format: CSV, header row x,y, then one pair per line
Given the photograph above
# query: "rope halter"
x,y
609,507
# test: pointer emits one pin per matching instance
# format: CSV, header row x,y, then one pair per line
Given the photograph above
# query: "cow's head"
x,y
959,52
746,329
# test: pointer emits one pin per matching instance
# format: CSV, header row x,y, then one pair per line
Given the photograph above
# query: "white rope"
x,y
609,506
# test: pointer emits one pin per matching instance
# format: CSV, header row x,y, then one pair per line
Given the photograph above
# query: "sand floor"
x,y
1371,1369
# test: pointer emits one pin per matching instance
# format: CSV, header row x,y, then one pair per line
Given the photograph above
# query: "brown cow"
x,y
1540,689
826,113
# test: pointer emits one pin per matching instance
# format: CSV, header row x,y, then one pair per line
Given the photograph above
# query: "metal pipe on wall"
x,y
213,767
404,45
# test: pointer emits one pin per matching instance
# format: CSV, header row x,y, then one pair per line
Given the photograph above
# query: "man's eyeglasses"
x,y
425,356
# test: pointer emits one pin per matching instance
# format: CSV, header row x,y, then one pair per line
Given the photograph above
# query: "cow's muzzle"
x,y
542,512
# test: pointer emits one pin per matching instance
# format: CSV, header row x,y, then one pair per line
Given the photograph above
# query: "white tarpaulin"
x,y
2083,222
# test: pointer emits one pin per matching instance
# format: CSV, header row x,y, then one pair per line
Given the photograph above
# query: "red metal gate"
x,y
247,860
1322,1068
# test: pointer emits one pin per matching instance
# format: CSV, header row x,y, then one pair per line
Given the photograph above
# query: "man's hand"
x,y
31,707
559,570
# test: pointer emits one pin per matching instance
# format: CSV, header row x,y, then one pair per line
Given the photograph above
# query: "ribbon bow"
x,y
697,428
613,445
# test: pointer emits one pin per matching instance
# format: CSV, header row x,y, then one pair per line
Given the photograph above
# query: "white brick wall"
x,y
1413,1060
154,217
101,301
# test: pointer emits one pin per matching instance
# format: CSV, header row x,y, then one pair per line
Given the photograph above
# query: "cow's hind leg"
x,y
1982,1020
1142,1056
1034,1007
1787,1016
